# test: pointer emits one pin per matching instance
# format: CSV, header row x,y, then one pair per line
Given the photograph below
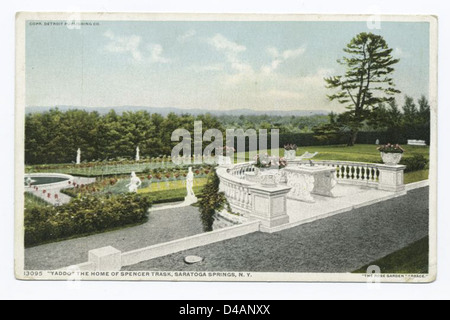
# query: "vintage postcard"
x,y
213,147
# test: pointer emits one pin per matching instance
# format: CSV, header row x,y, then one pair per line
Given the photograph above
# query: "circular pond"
x,y
46,179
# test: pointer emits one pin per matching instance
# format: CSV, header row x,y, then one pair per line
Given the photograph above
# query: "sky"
x,y
207,65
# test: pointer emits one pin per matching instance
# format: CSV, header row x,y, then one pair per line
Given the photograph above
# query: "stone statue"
x,y
138,151
190,198
78,156
377,142
134,184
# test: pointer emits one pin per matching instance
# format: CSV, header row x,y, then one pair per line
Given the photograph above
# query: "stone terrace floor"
x,y
341,243
347,197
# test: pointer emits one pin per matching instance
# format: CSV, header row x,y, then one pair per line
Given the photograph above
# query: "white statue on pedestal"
x,y
78,156
134,184
138,156
190,198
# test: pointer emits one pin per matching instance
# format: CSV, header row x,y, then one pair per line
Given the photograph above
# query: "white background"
x,y
13,289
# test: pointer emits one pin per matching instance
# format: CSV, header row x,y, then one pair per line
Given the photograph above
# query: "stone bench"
x,y
417,143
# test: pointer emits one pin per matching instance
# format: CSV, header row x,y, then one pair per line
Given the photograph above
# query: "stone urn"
x,y
290,154
391,159
224,161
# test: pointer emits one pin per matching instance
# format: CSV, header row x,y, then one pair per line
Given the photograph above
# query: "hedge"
x,y
400,136
415,163
83,216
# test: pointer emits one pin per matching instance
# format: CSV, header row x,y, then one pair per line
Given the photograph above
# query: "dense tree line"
x,y
387,120
55,136
286,124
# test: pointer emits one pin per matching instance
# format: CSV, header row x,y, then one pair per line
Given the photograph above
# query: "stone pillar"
x,y
269,206
391,178
106,259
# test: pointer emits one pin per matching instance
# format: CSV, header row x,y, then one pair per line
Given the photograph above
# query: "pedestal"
x,y
269,205
392,178
306,181
106,259
190,200
224,161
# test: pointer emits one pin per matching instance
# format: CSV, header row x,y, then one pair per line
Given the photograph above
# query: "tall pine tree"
x,y
367,82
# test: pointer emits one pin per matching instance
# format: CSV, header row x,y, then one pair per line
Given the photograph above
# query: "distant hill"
x,y
166,111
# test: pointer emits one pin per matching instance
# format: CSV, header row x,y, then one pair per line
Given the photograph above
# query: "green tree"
x,y
410,111
367,82
212,201
424,110
328,131
395,114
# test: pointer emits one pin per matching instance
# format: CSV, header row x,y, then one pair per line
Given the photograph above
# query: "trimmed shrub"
x,y
83,216
211,201
415,163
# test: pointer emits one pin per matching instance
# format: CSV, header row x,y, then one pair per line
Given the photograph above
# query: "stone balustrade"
x,y
356,173
253,200
250,198
239,170
237,190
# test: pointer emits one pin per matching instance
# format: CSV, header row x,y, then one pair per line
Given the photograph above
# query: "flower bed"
x,y
153,180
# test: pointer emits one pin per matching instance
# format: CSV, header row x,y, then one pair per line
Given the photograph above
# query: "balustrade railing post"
x,y
269,205
391,178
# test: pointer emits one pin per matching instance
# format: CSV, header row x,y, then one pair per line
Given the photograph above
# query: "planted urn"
x,y
290,151
391,154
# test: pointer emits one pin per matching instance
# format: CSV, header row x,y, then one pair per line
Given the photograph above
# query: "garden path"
x,y
56,196
163,226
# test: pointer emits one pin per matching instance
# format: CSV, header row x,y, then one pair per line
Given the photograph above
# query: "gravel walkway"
x,y
342,243
62,198
163,226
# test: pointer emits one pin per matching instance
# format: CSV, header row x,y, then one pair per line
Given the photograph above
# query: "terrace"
x,y
295,198
278,201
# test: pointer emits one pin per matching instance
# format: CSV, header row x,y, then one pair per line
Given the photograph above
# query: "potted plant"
x,y
225,159
391,154
262,162
290,151
268,162
267,169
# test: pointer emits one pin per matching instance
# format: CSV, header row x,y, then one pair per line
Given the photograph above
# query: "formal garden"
x,y
107,205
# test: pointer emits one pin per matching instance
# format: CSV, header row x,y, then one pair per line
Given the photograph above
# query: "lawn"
x,y
410,260
96,169
416,176
170,185
357,153
173,195
159,192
